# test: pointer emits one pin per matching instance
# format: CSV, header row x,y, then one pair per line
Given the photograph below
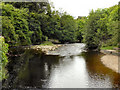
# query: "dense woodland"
x,y
31,23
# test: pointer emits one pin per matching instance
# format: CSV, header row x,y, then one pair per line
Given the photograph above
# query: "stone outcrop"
x,y
45,49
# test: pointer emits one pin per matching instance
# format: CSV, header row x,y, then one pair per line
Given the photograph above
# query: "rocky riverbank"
x,y
45,49
111,59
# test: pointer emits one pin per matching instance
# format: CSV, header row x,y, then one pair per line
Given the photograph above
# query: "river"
x,y
70,66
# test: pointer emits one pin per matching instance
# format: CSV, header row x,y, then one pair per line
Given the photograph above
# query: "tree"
x,y
102,28
92,31
31,6
80,28
34,26
67,29
17,20
8,31
112,26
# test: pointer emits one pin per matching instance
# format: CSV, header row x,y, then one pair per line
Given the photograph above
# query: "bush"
x,y
3,57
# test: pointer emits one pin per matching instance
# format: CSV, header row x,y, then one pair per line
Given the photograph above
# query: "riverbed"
x,y
69,66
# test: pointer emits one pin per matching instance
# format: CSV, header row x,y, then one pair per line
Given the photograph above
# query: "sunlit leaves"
x,y
102,28
3,57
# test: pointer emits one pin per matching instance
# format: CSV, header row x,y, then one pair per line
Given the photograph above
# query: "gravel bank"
x,y
111,60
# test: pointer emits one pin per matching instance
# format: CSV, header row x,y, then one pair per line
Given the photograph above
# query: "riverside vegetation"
x,y
32,23
3,58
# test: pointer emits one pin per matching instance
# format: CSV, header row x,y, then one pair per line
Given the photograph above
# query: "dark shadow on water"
x,y
32,69
35,70
97,70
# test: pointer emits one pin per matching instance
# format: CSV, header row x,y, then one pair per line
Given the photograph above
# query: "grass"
x,y
109,47
47,43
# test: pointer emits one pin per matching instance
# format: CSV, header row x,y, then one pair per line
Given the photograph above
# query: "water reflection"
x,y
100,76
81,70
71,73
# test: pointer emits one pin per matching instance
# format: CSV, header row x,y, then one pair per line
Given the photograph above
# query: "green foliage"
x,y
81,22
108,48
32,23
53,25
91,34
18,24
3,57
34,26
47,43
68,29
26,23
31,6
8,30
102,28
112,26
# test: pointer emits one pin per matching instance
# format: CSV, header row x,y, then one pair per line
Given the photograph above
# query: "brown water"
x,y
73,68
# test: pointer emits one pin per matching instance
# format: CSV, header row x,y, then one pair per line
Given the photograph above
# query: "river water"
x,y
70,66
